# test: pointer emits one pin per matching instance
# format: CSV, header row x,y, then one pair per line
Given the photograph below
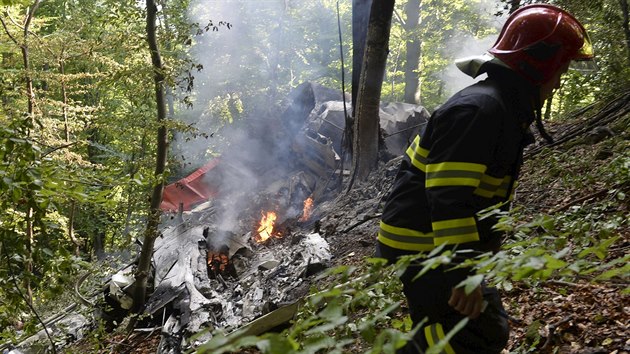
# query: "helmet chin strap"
x,y
539,123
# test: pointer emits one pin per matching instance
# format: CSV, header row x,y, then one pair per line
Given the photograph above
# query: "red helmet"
x,y
537,40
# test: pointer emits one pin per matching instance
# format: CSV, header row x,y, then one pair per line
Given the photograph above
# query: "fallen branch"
x,y
552,329
365,219
616,108
596,194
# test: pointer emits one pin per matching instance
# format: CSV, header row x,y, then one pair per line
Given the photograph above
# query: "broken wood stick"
x,y
552,329
596,194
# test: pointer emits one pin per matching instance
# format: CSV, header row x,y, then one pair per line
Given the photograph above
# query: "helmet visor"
x,y
583,61
584,66
586,52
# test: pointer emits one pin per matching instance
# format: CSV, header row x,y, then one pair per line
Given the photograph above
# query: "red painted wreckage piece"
x,y
190,190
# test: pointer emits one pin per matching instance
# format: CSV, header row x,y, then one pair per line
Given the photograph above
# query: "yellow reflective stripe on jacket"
x,y
434,333
417,154
455,231
405,239
503,188
491,186
454,174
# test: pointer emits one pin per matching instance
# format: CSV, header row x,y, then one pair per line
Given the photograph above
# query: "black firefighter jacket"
x,y
466,160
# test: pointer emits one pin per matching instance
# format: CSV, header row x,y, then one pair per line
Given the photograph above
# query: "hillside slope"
x,y
563,272
572,204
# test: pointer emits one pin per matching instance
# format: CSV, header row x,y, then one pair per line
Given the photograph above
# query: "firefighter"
x,y
466,160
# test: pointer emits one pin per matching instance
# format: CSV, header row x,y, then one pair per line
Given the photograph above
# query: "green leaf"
x,y
276,344
553,263
471,283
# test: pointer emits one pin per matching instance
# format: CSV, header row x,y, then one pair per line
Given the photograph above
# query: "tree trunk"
x,y
366,122
64,108
29,260
412,61
28,80
514,5
625,24
360,18
26,60
151,233
30,234
73,237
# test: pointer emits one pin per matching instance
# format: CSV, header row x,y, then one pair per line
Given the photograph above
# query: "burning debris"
x,y
265,230
308,209
236,242
253,254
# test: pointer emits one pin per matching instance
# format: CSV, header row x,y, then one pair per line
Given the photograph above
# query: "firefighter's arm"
x,y
463,140
463,143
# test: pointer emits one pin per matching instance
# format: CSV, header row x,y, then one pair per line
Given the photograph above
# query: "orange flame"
x,y
266,226
218,262
308,208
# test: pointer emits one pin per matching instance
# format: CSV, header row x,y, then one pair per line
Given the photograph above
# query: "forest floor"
x,y
571,179
578,315
554,315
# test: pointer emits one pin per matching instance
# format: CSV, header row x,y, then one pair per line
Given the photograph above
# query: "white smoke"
x,y
269,47
465,45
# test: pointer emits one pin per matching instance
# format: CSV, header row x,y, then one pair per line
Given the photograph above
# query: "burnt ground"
x,y
578,315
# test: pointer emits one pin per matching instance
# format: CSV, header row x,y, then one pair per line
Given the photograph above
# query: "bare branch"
x,y
29,18
6,29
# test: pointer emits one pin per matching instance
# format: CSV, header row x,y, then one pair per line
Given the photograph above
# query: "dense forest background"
x,y
78,121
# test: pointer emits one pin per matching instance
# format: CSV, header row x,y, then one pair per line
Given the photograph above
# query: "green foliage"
x,y
551,247
603,20
31,248
360,309
82,164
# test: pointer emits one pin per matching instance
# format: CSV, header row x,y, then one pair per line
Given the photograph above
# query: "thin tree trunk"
x,y
412,63
151,233
64,93
360,19
366,122
625,24
73,238
29,257
26,59
28,80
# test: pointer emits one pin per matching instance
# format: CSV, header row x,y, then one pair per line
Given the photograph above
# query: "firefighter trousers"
x,y
427,298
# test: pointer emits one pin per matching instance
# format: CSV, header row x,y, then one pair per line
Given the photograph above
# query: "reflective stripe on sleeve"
x,y
417,154
454,174
488,186
405,239
455,231
434,333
